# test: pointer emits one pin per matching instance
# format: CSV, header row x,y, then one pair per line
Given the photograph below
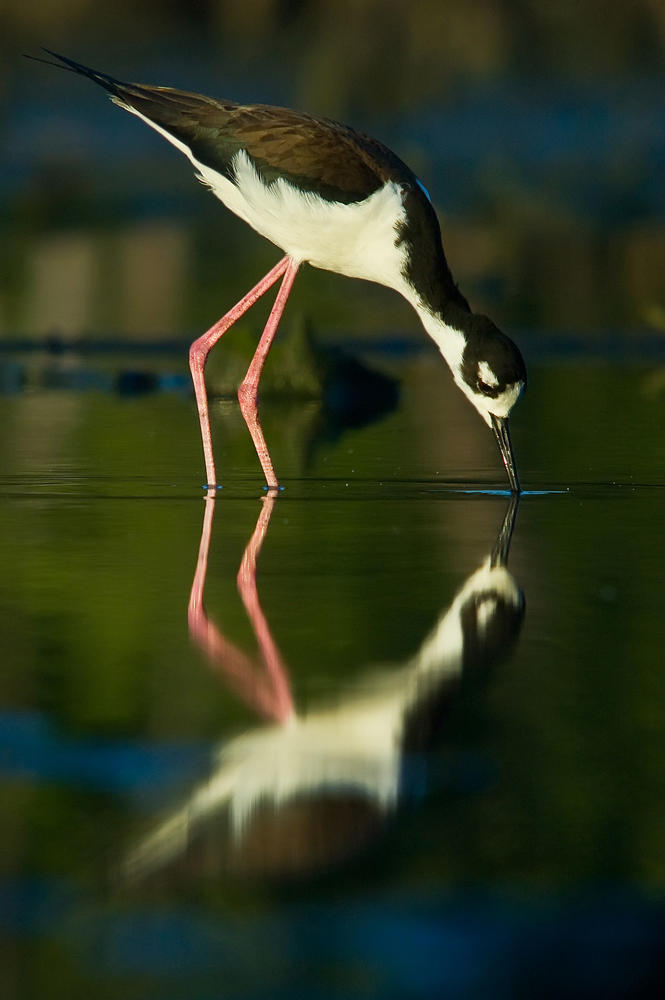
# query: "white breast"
x,y
357,240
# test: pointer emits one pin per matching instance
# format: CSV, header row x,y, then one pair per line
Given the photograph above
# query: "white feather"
x,y
486,375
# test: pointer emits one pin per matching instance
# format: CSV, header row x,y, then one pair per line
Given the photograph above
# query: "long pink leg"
x,y
198,354
248,391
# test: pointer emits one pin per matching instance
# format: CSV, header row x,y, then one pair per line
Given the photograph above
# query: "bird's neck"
x,y
446,328
429,285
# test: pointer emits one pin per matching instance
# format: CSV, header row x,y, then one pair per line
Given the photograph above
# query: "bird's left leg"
x,y
248,391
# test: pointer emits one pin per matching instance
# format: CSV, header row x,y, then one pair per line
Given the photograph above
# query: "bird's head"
x,y
492,374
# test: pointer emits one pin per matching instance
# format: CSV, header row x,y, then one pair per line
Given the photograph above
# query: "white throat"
x,y
451,342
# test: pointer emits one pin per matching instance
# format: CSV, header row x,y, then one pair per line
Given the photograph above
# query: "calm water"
x,y
388,762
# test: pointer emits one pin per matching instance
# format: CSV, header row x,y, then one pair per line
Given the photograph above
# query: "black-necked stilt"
x,y
341,201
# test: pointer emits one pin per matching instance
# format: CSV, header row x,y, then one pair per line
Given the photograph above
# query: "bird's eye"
x,y
487,381
488,390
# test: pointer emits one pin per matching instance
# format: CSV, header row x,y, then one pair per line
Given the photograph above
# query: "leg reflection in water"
x,y
302,791
265,688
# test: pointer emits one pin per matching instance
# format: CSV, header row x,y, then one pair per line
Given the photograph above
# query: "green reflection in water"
x,y
547,773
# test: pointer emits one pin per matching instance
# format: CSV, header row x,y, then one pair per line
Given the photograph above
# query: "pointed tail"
x,y
109,83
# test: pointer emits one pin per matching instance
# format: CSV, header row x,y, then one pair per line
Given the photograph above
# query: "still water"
x,y
386,735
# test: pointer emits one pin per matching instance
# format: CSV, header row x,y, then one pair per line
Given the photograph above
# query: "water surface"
x,y
400,759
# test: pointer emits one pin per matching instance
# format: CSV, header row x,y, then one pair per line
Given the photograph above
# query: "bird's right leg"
x,y
249,387
198,355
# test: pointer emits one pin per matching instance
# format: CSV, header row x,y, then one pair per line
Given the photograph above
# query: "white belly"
x,y
357,240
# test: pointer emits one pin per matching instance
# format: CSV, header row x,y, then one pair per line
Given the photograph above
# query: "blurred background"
x,y
537,127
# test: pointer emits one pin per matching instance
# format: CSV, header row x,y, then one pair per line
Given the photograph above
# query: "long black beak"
x,y
500,425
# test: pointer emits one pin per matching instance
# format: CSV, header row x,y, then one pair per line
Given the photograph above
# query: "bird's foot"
x,y
211,490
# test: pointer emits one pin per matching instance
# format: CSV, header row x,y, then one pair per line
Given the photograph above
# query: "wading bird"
x,y
338,200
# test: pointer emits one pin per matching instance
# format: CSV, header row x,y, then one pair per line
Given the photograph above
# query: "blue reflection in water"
x,y
468,946
31,747
503,493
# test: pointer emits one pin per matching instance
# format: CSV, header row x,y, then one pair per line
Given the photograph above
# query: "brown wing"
x,y
318,155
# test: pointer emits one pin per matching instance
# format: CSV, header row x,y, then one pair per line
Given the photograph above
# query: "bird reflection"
x,y
304,790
